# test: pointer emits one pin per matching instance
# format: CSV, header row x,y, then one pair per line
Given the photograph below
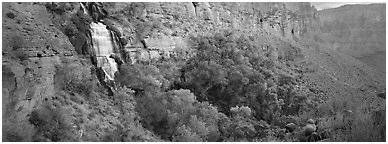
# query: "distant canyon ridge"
x,y
356,30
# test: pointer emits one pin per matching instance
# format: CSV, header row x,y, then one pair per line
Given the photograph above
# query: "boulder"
x,y
40,54
381,95
313,137
291,127
190,9
311,121
203,11
309,129
123,41
117,59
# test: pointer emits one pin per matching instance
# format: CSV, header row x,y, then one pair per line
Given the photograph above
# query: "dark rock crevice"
x,y
195,4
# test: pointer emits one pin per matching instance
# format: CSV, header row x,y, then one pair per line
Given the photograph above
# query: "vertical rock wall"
x,y
289,20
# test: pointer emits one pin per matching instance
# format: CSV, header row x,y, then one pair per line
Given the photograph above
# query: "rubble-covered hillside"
x,y
357,30
186,71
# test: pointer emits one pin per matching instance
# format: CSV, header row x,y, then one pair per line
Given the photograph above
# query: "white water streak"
x,y
84,9
104,47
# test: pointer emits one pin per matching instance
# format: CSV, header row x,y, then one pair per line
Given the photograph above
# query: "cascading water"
x,y
84,9
104,45
105,42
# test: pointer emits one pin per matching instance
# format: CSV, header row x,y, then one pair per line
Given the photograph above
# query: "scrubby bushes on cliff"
x,y
244,127
10,15
141,78
17,43
135,16
170,71
58,8
129,128
343,124
52,125
69,19
74,79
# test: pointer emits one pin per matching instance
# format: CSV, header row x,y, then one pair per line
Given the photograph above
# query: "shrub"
x,y
286,79
366,128
10,15
16,131
11,136
60,7
141,77
241,126
245,111
185,134
51,124
70,31
169,70
130,128
16,42
339,123
75,79
82,23
21,55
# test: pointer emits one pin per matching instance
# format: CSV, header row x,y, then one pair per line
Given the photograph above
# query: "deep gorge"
x,y
179,72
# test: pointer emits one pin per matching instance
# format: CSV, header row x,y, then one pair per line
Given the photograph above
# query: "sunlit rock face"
x,y
104,44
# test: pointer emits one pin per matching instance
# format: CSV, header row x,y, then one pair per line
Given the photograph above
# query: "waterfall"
x,y
84,9
104,41
104,44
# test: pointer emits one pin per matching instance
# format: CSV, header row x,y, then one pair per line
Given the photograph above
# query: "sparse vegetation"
x,y
10,15
75,80
51,125
17,43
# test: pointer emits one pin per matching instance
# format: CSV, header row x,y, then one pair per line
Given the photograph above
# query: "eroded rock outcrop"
x,y
40,61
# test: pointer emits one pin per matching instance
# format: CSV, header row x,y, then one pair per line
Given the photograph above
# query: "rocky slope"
x,y
358,31
46,63
40,67
31,49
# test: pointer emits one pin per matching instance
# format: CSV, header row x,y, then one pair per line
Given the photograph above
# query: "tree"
x,y
141,78
226,73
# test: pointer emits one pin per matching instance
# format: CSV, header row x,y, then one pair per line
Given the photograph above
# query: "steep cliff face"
x,y
29,31
356,30
32,48
49,81
175,21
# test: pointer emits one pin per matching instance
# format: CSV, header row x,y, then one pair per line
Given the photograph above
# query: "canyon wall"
x,y
46,52
165,24
356,30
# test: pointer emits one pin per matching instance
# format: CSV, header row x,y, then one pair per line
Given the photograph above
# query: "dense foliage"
x,y
228,91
